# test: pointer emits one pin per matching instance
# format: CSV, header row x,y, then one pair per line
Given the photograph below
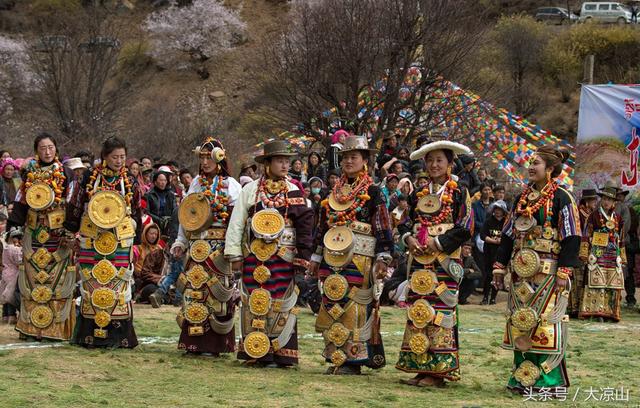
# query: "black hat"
x,y
610,192
589,193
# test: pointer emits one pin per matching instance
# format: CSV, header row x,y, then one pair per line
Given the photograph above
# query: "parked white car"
x,y
605,12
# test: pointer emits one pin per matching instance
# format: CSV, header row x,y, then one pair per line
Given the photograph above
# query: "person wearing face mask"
x,y
271,220
161,202
105,210
490,233
603,252
47,280
539,247
440,221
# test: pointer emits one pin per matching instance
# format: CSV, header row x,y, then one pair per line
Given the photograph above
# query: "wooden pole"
x,y
589,63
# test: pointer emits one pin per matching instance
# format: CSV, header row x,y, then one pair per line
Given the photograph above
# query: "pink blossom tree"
x,y
201,30
16,76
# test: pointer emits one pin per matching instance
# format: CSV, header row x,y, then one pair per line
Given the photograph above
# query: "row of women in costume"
x,y
245,245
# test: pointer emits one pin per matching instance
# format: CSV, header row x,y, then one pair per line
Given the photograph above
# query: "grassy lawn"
x,y
157,374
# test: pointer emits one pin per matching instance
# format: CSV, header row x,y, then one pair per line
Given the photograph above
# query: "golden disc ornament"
x,y
534,195
104,271
197,276
263,250
267,224
423,282
43,236
610,225
524,319
256,344
106,243
527,374
526,263
339,240
337,205
261,274
196,313
338,334
40,196
103,298
260,302
524,224
335,287
421,313
107,209
338,358
429,204
42,257
425,258
41,316
102,318
419,343
200,250
41,294
194,212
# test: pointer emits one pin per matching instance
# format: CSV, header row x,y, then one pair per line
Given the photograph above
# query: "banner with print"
x,y
608,137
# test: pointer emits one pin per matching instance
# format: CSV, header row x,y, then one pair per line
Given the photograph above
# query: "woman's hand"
x,y
414,246
498,281
314,268
432,248
380,269
561,284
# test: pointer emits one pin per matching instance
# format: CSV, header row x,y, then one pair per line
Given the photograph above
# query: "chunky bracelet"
x,y
498,265
564,272
499,272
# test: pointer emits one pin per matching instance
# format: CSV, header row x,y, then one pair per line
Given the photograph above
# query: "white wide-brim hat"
x,y
456,148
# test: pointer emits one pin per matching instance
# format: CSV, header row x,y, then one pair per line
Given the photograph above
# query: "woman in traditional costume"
x,y
268,240
603,253
207,283
354,245
539,249
47,280
441,220
106,210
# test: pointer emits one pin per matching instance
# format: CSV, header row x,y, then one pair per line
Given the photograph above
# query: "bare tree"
x,y
354,55
83,85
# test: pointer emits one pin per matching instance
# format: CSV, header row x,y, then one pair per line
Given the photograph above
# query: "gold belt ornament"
x,y
423,282
263,250
197,276
419,343
527,374
41,258
267,224
106,243
104,271
196,313
256,344
261,274
56,219
421,313
125,229
200,250
102,319
41,316
524,319
260,302
338,358
41,294
103,298
338,334
335,287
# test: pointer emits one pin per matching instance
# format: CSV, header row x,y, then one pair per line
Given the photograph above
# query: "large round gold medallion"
x,y
104,271
335,287
103,298
423,282
102,318
338,358
260,302
41,316
256,344
261,274
39,196
267,224
107,209
419,343
338,334
429,204
197,276
196,313
526,263
337,205
41,294
263,250
339,240
200,250
106,243
194,212
524,319
421,313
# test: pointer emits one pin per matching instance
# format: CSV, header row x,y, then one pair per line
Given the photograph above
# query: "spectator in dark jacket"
x,y
161,202
468,175
491,234
333,162
316,167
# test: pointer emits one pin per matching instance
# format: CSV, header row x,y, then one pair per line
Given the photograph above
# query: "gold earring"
x,y
449,171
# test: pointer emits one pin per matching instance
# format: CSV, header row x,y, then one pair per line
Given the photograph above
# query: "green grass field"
x,y
156,374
